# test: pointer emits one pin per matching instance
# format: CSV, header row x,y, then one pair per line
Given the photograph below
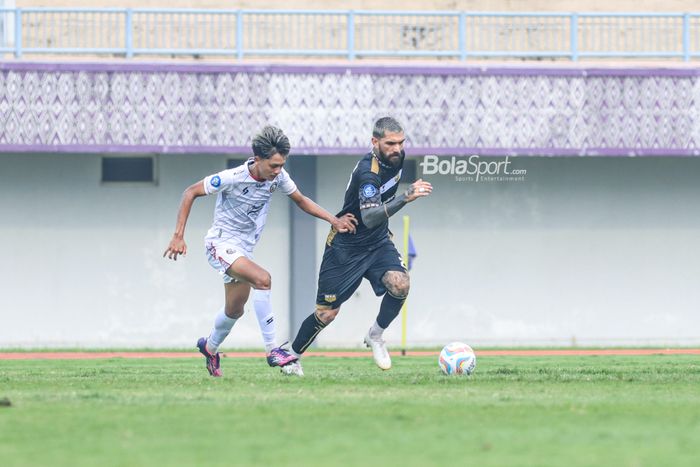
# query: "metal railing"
x,y
348,34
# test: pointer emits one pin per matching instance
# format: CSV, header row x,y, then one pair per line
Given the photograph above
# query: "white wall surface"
x,y
585,250
82,261
594,251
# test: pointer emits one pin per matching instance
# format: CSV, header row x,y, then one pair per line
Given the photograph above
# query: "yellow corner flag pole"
x,y
406,224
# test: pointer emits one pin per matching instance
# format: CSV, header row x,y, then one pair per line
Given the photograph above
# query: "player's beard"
x,y
394,159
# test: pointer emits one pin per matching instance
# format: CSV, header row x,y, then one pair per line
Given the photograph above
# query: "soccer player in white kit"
x,y
243,195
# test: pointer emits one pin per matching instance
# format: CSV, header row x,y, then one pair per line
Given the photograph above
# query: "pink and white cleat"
x,y
280,357
213,361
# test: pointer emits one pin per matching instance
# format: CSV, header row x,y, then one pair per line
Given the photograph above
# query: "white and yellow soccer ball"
x,y
457,358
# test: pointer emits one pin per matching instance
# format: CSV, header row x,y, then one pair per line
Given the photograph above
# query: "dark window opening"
x,y
127,169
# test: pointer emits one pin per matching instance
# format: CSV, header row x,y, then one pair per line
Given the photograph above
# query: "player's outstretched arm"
x,y
345,223
177,244
375,215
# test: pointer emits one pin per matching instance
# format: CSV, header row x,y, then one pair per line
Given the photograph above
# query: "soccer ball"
x,y
457,359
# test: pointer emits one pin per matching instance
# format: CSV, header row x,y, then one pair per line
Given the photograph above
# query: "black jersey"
x,y
371,184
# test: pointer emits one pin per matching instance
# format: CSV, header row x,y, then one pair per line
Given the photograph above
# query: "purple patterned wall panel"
x,y
166,108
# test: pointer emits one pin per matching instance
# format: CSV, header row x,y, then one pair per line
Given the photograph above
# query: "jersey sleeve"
x,y
369,193
286,184
217,182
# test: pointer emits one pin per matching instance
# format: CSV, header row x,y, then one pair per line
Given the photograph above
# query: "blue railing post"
x,y
573,31
351,35
129,33
239,34
18,33
686,37
462,35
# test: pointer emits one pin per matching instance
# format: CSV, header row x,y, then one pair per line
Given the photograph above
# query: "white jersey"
x,y
242,204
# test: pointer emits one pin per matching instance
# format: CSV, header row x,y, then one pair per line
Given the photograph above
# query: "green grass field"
x,y
616,411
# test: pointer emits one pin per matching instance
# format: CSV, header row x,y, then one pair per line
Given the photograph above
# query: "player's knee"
x,y
264,282
398,285
326,316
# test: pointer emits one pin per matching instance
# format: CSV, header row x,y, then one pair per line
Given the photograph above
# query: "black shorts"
x,y
342,271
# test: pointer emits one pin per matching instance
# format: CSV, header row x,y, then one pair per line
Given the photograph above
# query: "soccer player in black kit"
x,y
369,252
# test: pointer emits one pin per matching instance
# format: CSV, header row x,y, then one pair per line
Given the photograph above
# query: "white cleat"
x,y
379,351
292,369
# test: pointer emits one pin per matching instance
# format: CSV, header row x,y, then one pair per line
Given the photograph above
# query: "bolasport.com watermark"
x,y
473,168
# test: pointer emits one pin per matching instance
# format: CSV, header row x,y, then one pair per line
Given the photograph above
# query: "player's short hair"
x,y
270,141
385,124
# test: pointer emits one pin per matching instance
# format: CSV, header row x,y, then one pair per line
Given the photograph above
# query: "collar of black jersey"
x,y
387,166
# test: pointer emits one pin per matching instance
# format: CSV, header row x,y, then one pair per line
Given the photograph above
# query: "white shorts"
x,y
221,256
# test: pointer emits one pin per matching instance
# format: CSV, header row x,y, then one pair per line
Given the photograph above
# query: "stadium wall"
x,y
83,259
582,251
573,250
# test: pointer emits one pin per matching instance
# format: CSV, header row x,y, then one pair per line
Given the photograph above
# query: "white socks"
x,y
376,331
222,326
266,320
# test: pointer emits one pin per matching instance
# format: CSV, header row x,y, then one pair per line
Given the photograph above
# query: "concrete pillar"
x,y
302,244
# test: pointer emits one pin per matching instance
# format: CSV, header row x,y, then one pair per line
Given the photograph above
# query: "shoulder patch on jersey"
x,y
369,190
375,165
215,181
